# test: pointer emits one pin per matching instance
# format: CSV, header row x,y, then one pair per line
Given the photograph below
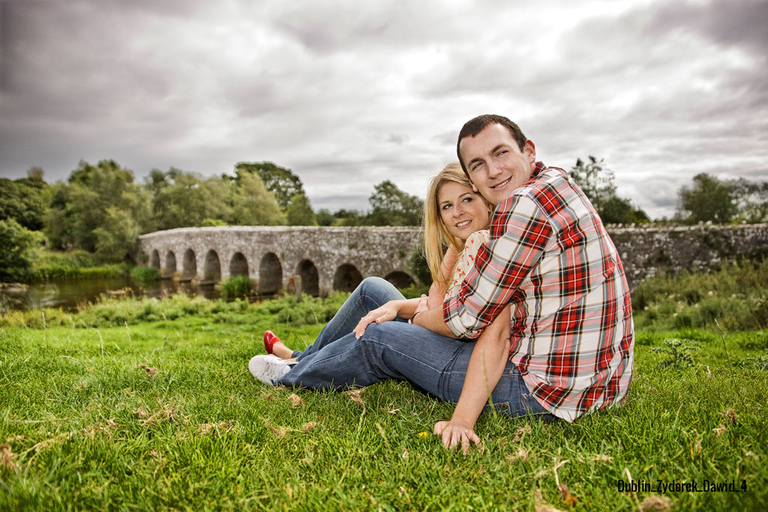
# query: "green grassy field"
x,y
148,405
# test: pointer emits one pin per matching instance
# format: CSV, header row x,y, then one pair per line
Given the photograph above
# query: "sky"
x,y
347,94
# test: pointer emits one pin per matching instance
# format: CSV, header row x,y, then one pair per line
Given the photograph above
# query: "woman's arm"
x,y
487,363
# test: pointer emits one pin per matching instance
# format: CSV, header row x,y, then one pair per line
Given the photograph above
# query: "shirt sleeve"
x,y
520,233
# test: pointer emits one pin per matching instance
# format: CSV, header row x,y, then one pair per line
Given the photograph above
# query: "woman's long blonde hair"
x,y
437,239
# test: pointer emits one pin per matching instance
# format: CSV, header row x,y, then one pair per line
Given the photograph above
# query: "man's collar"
x,y
538,169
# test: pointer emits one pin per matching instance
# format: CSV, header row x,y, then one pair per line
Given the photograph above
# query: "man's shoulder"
x,y
545,184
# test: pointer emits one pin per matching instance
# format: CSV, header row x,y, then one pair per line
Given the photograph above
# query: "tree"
x,y
81,206
597,182
324,217
393,207
117,235
183,199
24,200
751,200
254,205
278,180
299,212
709,199
16,250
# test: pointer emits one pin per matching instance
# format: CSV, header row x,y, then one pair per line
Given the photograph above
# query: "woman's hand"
x,y
383,313
454,432
423,305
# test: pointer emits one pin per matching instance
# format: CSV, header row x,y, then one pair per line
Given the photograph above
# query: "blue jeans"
x,y
397,350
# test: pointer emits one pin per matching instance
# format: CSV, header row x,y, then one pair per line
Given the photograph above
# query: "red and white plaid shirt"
x,y
550,257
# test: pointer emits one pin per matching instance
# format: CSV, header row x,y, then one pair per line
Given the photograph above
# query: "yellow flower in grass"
x,y
423,434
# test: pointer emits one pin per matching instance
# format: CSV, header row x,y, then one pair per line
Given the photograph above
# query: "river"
x,y
71,295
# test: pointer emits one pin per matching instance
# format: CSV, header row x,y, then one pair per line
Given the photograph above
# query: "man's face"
x,y
495,163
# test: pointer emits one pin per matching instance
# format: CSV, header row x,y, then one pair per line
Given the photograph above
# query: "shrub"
x,y
16,250
236,286
145,274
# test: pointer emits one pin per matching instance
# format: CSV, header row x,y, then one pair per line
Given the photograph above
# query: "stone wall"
x,y
647,250
335,258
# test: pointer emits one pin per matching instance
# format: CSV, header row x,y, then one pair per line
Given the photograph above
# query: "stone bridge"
x,y
324,258
338,258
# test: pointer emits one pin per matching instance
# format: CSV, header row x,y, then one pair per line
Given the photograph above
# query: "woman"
x,y
453,370
455,217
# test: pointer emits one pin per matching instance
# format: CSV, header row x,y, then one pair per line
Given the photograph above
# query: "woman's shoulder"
x,y
478,238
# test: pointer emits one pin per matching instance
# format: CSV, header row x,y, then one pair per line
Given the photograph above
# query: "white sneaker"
x,y
268,369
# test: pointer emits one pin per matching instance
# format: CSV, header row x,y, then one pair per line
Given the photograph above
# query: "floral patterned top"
x,y
467,259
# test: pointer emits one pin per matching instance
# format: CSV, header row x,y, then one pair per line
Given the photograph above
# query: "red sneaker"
x,y
269,341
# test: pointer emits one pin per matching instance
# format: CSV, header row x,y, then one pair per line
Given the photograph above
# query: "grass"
x,y
142,404
77,264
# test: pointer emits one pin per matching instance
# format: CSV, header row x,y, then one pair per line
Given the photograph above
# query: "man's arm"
x,y
432,319
519,235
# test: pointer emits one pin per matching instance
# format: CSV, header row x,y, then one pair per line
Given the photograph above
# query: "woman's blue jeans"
x,y
397,350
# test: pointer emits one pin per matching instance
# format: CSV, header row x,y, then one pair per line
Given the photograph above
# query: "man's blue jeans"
x,y
397,350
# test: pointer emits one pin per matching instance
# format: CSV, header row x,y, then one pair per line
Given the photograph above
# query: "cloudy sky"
x,y
348,93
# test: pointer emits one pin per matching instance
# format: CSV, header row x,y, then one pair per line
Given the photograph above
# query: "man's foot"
x,y
268,369
269,341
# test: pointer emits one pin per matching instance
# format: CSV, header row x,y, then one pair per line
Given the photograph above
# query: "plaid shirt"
x,y
572,334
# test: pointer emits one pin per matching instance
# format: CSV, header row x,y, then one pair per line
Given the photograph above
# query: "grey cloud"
x,y
726,22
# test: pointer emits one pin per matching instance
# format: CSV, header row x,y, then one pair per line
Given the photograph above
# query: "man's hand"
x,y
454,432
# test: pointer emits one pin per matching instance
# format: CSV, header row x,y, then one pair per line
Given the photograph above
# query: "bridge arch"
x,y
346,278
170,264
400,279
189,266
238,265
270,273
212,267
310,279
154,259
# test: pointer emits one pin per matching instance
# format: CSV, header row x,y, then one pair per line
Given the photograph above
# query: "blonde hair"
x,y
437,239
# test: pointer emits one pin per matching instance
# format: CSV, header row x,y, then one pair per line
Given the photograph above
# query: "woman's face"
x,y
462,211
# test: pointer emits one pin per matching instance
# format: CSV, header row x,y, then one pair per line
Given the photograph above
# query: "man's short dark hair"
x,y
478,124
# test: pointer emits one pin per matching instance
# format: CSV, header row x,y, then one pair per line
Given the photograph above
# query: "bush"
x,y
236,286
734,296
17,246
145,274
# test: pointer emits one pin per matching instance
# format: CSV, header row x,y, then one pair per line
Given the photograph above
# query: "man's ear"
x,y
474,188
529,149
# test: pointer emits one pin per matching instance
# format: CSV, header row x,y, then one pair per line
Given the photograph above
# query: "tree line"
x,y
102,209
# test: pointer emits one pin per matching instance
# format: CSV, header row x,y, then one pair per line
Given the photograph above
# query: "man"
x,y
550,259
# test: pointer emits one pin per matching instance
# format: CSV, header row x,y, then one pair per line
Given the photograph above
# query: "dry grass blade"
x,y
354,395
8,458
719,430
217,429
151,372
729,415
296,400
521,455
569,498
521,432
656,504
543,507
